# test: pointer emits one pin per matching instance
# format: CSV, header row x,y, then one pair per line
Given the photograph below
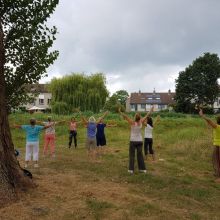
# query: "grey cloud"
x,y
134,38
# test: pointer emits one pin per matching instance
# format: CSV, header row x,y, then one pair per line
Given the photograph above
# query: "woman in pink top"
x,y
73,132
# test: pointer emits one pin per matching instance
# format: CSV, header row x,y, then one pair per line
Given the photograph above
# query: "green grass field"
x,y
179,185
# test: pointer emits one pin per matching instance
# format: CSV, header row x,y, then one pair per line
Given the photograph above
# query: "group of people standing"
x,y
96,138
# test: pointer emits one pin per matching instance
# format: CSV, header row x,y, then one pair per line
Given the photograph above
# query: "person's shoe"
x,y
130,171
143,171
36,165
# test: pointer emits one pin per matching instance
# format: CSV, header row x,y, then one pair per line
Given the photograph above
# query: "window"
x,y
162,107
143,106
149,98
158,98
132,106
48,101
41,101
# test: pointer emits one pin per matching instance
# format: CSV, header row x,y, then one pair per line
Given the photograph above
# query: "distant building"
x,y
142,102
216,105
42,97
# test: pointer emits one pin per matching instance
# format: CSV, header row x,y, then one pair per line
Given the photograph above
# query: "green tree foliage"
x,y
117,100
197,84
121,96
27,40
79,90
60,108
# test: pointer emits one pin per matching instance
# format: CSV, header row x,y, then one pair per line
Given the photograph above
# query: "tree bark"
x,y
12,178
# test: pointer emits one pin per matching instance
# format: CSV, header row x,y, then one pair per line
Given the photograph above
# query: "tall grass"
x,y
180,185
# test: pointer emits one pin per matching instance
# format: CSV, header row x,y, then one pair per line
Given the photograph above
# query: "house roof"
x,y
152,98
37,88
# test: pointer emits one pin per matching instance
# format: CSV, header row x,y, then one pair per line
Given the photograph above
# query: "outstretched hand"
x,y
158,118
201,112
152,108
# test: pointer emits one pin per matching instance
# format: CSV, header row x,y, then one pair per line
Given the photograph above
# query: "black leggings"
x,y
136,146
71,137
148,146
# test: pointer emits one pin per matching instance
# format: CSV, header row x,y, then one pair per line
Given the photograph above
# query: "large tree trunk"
x,y
12,178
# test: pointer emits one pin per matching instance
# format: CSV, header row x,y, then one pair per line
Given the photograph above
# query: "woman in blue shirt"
x,y
32,140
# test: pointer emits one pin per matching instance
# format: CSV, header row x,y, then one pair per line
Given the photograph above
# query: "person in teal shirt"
x,y
32,141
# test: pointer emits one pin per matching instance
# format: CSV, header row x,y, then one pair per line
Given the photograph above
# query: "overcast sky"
x,y
137,44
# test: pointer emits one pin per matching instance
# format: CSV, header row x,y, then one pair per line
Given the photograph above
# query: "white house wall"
x,y
146,108
43,96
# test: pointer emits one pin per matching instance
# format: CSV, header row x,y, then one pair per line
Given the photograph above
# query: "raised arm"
x,y
209,121
102,117
40,122
130,121
157,120
148,114
59,122
48,126
111,125
84,120
16,126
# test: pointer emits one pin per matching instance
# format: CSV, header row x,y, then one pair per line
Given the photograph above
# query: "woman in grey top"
x,y
136,141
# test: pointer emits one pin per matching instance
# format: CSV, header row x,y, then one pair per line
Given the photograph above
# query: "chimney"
x,y
169,92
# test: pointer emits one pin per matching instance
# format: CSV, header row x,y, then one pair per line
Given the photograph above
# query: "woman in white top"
x,y
136,141
148,137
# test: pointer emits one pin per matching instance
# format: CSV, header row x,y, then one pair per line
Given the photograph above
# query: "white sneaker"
x,y
130,171
143,171
36,165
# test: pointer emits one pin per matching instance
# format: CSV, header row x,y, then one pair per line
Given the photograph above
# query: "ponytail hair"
x,y
150,121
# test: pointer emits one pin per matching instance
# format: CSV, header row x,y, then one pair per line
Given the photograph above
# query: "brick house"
x,y
142,102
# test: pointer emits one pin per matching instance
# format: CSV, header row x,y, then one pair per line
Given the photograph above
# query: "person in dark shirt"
x,y
100,133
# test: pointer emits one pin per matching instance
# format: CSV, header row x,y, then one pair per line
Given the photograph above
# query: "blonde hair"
x,y
92,119
137,117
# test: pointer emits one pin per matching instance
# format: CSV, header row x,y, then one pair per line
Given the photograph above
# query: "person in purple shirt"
x,y
91,125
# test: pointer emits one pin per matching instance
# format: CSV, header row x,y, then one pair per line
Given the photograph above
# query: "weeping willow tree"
x,y
78,90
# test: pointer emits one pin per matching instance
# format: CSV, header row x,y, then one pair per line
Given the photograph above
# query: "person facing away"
x,y
216,143
148,136
91,126
100,132
32,140
136,141
50,135
73,132
49,138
